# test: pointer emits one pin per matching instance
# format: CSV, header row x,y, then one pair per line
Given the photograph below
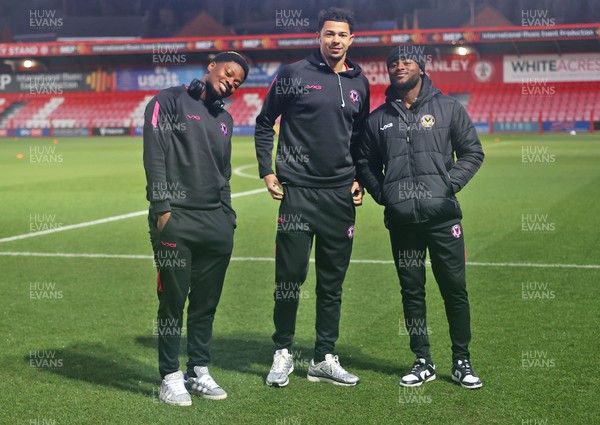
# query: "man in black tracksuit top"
x,y
323,101
187,152
406,162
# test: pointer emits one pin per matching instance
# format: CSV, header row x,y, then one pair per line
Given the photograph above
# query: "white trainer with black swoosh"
x,y
421,372
463,373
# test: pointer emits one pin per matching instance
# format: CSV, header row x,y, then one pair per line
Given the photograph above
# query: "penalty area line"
x,y
105,220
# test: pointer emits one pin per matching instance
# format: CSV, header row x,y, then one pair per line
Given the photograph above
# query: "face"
x,y
223,78
334,40
404,74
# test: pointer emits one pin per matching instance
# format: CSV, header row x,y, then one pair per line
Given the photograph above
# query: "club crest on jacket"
x,y
223,128
427,121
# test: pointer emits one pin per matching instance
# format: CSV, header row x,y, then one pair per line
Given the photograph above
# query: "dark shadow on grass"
x,y
253,354
100,365
246,353
445,378
353,358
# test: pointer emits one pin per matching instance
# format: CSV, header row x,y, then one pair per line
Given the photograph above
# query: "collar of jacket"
x,y
397,105
315,58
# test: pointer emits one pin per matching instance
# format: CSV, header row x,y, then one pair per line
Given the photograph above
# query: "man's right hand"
x,y
162,220
273,186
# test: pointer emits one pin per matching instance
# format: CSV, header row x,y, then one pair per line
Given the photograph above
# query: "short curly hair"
x,y
336,14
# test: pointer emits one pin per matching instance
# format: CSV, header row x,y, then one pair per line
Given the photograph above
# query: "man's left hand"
x,y
357,193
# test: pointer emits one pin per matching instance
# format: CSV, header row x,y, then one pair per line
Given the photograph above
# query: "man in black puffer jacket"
x,y
405,160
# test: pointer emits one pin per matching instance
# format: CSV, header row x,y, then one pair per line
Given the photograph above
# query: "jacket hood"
x,y
316,59
428,90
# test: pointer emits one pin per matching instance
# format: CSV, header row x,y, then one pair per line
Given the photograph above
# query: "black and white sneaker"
x,y
464,375
421,372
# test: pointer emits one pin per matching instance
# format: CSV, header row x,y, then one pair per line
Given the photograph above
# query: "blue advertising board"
x,y
566,126
516,127
162,77
157,78
262,73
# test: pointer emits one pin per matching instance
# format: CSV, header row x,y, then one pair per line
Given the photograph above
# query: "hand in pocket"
x,y
162,220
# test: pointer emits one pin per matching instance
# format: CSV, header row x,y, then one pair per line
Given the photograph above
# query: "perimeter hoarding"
x,y
157,78
55,82
552,68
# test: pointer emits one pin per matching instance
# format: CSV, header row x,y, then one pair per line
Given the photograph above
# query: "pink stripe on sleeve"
x,y
155,114
273,82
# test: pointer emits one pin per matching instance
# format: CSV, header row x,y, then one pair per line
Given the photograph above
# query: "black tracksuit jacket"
x,y
187,153
405,158
322,114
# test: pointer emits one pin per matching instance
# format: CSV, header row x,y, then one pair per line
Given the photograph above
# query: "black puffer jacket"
x,y
405,157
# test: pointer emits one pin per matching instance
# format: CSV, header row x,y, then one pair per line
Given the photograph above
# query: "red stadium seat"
x,y
512,102
556,101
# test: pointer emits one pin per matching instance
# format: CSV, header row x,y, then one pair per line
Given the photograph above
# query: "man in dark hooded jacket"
x,y
406,161
323,102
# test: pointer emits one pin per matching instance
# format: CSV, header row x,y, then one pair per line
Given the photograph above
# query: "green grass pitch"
x,y
77,342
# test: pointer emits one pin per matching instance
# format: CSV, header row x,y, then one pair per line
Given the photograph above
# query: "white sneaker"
x,y
281,368
462,372
172,390
330,370
204,385
420,373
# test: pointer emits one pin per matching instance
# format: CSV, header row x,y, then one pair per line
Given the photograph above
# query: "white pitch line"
x,y
238,171
497,144
73,226
105,220
75,255
539,265
249,192
269,259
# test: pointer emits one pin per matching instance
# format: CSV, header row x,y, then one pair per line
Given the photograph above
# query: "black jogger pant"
x,y
191,255
328,216
445,242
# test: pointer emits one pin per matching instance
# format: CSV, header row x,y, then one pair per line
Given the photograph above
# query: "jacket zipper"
x,y
341,92
412,171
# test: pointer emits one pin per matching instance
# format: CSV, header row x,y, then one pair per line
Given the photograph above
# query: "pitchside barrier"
x,y
489,127
540,126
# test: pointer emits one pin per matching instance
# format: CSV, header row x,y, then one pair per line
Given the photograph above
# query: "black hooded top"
x,y
187,153
322,114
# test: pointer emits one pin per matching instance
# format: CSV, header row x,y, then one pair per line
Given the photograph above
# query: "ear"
x,y
318,36
211,66
351,40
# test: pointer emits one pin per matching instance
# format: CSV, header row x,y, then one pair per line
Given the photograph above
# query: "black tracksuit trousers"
x,y
327,215
445,242
191,254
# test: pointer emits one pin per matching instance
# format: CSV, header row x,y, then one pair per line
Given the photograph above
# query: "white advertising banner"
x,y
559,68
